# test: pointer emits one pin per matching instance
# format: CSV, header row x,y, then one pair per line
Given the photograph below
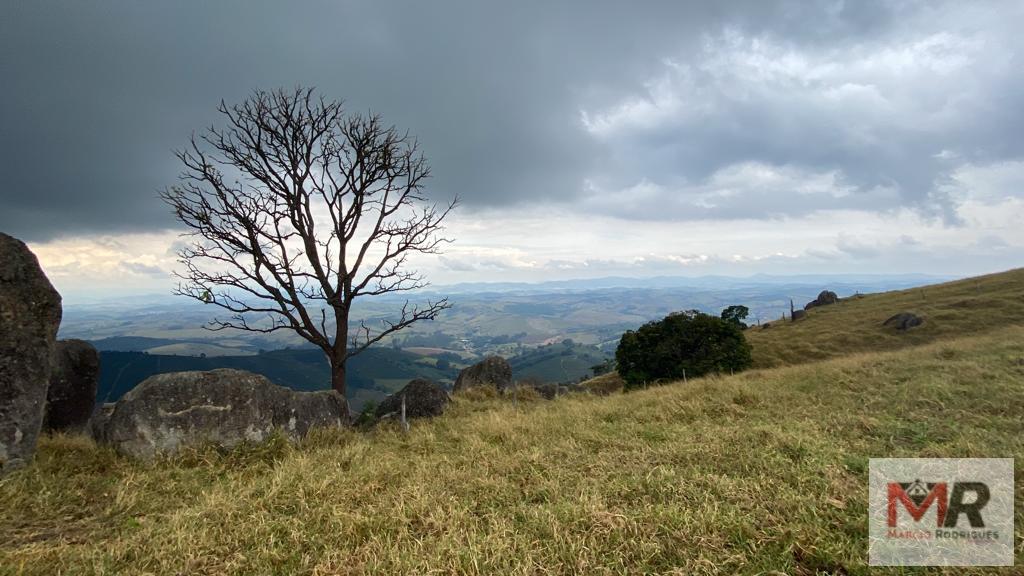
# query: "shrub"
x,y
690,341
367,416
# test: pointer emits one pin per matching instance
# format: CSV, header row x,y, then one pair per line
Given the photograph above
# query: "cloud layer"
x,y
832,117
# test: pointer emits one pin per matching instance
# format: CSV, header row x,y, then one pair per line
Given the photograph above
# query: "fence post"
x,y
405,423
684,375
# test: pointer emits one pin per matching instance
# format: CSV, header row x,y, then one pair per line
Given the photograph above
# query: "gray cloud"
x,y
99,93
888,120
456,265
144,269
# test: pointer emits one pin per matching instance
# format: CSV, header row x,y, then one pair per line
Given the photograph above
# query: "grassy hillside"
x,y
557,362
764,471
950,310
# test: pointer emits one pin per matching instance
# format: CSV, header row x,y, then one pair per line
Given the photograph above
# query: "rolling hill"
x,y
372,375
764,472
562,362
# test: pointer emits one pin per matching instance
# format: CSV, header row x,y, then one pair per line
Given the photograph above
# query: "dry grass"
x,y
950,310
604,384
763,471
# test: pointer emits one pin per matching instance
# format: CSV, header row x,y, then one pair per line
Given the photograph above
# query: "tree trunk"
x,y
338,376
339,354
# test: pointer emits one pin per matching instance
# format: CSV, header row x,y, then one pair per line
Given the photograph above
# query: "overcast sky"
x,y
585,138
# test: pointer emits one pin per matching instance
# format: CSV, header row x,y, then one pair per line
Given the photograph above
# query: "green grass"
x,y
764,472
950,310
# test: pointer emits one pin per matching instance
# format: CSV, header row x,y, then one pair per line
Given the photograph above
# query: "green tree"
x,y
736,315
690,343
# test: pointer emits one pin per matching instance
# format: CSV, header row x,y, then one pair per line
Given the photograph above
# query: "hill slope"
x,y
762,471
950,310
561,362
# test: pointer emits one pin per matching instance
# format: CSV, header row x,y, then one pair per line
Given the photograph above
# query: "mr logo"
x,y
962,520
917,497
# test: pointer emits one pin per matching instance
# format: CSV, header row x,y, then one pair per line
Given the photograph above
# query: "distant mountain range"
x,y
872,282
485,317
877,281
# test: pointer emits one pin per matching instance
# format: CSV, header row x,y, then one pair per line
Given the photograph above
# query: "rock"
x,y
98,422
825,298
798,314
903,321
71,398
423,399
226,407
491,371
30,312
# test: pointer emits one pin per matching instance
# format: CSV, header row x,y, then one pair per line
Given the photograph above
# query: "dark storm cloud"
x,y
99,93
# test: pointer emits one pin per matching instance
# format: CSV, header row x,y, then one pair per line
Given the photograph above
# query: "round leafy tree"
x,y
736,315
689,341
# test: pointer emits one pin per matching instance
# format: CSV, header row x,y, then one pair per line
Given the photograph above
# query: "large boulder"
x,y
226,407
71,398
824,298
903,321
423,399
30,313
491,371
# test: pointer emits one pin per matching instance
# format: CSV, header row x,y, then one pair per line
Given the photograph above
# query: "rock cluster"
x,y
825,298
46,385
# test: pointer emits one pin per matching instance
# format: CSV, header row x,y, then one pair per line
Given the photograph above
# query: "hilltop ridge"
x,y
950,310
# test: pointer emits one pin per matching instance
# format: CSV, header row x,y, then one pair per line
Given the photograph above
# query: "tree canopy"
x,y
690,343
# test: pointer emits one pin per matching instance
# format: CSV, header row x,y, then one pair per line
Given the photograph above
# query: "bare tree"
x,y
294,210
